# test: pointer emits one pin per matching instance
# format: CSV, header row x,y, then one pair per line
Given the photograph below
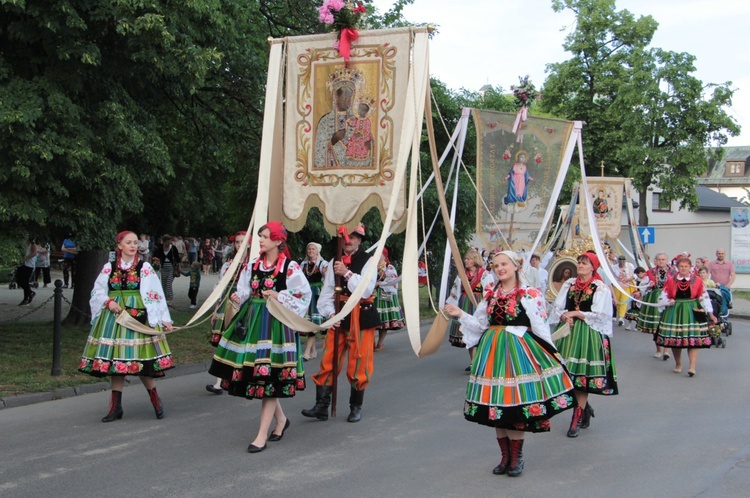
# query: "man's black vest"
x,y
368,313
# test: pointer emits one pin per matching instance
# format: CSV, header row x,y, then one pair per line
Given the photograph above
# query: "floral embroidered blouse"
x,y
146,281
389,279
598,318
295,297
534,308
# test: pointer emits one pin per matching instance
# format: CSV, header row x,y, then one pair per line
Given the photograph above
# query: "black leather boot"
x,y
115,407
588,412
355,405
156,401
575,422
502,467
322,402
515,465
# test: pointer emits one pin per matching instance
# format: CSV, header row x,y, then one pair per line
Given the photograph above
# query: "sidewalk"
x,y
42,307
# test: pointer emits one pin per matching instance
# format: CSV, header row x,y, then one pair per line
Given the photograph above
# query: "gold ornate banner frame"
x,y
343,126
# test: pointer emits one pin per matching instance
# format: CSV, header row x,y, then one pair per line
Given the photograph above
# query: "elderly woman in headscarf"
x,y
585,305
314,267
517,380
257,355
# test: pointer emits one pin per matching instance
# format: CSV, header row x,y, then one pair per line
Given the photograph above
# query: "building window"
x,y
659,203
735,168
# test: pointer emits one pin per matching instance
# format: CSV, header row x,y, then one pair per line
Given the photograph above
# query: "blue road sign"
x,y
647,234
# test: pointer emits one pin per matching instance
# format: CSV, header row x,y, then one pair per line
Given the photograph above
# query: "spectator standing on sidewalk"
x,y
722,271
42,263
24,272
192,249
144,248
70,252
195,282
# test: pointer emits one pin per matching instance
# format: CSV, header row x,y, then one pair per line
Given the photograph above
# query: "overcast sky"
x,y
496,41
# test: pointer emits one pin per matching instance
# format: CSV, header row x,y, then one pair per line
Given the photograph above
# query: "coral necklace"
x,y
120,262
581,289
683,285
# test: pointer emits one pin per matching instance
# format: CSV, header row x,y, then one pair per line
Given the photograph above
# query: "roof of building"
x,y
717,169
711,200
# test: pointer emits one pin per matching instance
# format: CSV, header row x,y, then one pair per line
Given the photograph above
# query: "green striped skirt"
x,y
516,383
649,316
312,312
684,325
111,349
262,364
455,337
389,310
588,356
217,324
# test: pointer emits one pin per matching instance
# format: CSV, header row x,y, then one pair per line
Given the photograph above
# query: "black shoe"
x,y
575,423
277,437
31,296
213,389
25,302
467,369
115,407
254,449
322,402
355,405
588,412
156,402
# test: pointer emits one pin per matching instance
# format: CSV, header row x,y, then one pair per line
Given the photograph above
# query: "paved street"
x,y
664,435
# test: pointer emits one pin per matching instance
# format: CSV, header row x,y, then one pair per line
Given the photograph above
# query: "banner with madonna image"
x,y
343,126
516,175
606,199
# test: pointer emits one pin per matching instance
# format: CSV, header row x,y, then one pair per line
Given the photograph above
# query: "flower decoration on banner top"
x,y
523,95
345,17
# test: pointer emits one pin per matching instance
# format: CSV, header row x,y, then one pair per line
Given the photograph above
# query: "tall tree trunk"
x,y
642,209
88,266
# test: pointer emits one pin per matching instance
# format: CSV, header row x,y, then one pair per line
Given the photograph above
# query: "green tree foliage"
x,y
642,107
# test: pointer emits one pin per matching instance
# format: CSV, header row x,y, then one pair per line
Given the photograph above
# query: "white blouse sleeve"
x,y
600,316
663,301
296,296
558,307
243,282
533,302
455,292
100,292
153,297
473,326
389,285
325,301
706,302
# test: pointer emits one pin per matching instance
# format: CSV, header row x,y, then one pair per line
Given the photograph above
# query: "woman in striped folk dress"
x,y
517,381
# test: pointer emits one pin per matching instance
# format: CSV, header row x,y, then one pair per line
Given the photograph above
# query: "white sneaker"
x,y
192,306
620,322
628,328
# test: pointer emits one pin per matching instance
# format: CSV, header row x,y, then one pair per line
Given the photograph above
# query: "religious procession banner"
x,y
606,198
516,175
343,126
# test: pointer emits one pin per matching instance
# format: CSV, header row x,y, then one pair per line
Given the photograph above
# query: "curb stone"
x,y
80,390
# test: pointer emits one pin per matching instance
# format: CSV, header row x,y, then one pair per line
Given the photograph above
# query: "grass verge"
x,y
26,354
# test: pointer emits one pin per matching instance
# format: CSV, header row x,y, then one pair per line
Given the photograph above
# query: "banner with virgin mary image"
x,y
343,126
516,174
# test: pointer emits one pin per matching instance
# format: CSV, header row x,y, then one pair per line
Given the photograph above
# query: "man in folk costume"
x,y
355,333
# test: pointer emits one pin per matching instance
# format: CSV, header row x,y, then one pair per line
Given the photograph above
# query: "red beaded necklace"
x,y
683,285
581,289
119,264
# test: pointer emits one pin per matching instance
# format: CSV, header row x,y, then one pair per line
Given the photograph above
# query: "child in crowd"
x,y
641,283
707,282
195,282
